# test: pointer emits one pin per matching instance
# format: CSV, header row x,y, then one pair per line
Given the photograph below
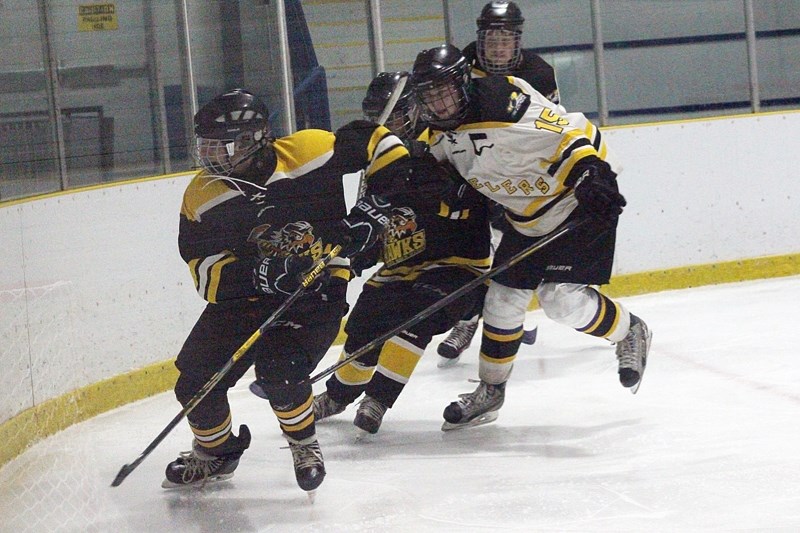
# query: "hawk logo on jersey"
x,y
517,105
403,221
403,240
293,238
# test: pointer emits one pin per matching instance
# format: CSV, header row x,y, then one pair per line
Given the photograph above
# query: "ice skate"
x,y
325,406
475,408
309,466
459,340
258,390
369,415
529,335
198,467
632,354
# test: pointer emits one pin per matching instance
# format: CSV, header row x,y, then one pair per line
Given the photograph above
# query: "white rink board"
x,y
92,285
707,192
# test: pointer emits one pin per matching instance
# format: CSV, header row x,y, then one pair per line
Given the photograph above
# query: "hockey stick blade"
x,y
307,279
122,474
458,293
130,467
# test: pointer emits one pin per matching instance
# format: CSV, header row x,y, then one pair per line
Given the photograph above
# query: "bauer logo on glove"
x,y
282,275
374,207
365,223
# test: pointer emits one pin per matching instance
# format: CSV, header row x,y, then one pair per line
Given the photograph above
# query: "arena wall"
x,y
95,301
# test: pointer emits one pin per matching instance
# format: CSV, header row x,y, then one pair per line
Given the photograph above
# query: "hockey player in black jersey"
x,y
546,167
432,247
498,51
260,213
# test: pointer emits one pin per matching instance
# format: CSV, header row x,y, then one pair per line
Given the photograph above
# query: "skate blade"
x,y
635,388
169,485
446,362
485,418
363,436
312,496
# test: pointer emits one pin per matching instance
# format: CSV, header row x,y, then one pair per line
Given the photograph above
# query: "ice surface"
x,y
710,443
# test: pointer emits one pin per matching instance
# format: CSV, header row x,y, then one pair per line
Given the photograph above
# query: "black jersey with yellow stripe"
x,y
427,232
292,205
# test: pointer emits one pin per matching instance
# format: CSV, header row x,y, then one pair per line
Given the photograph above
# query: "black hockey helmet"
x,y
499,43
402,119
440,80
501,16
230,130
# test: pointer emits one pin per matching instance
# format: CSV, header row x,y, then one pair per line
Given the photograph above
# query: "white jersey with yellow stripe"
x,y
518,148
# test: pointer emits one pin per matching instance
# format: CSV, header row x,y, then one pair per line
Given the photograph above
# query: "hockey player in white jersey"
x,y
546,167
497,51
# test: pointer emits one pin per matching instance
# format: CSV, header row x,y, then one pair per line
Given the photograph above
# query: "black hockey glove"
x,y
366,260
596,190
497,217
417,149
454,187
364,225
283,275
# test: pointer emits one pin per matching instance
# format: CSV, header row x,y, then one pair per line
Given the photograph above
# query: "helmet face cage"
x,y
441,85
499,51
402,121
229,131
499,42
221,156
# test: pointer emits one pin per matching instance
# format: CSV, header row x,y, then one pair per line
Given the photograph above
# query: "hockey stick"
x,y
425,313
384,116
308,279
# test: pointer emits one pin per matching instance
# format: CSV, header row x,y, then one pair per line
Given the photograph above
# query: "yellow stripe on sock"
x,y
353,373
297,411
399,358
206,432
503,337
496,361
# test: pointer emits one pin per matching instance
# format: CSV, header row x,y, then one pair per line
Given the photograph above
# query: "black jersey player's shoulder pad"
x,y
203,193
310,135
499,99
359,131
536,71
471,52
355,139
299,148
